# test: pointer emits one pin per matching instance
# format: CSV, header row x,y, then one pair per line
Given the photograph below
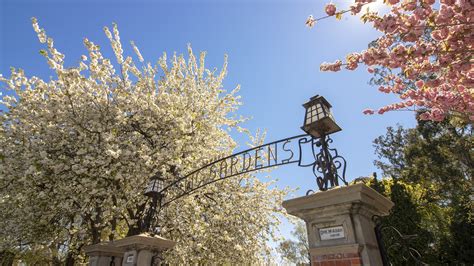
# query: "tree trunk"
x,y
6,258
69,260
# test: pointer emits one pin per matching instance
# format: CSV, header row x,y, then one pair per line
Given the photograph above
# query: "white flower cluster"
x,y
77,151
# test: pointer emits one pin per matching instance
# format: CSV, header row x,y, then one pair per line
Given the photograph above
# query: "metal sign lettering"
x,y
281,152
330,233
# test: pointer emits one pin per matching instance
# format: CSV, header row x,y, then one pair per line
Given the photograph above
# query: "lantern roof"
x,y
317,97
157,176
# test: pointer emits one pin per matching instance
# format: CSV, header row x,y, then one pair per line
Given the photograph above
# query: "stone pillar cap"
x,y
104,249
144,241
340,195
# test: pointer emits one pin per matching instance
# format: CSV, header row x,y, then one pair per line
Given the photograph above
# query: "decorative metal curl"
x,y
157,259
326,165
112,261
398,242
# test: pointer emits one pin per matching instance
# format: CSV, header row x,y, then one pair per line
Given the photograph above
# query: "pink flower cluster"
x,y
431,48
336,66
358,4
330,9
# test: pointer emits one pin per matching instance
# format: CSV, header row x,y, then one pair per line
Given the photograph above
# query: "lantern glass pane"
x,y
326,108
159,185
309,114
330,115
151,186
319,109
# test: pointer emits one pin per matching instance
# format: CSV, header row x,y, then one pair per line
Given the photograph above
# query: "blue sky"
x,y
272,55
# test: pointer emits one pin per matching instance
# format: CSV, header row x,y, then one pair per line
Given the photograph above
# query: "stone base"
x,y
345,255
103,254
140,249
129,251
339,224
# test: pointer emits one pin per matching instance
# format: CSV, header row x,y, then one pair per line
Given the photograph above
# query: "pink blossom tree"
x,y
424,55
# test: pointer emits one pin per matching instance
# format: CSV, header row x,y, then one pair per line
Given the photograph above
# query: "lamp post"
x,y
154,191
319,123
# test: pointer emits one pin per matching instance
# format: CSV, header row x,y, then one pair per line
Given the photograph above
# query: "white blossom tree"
x,y
296,251
77,151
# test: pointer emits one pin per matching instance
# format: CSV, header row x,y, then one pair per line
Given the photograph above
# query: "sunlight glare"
x,y
377,6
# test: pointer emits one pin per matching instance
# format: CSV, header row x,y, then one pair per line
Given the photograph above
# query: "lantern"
x,y
319,120
155,186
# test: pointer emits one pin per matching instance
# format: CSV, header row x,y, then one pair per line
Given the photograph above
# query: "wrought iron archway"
x,y
302,149
308,150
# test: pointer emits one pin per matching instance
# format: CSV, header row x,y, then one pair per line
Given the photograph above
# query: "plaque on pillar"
x,y
130,258
329,233
129,251
142,249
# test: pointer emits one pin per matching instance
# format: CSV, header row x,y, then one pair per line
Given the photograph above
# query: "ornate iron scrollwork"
x,y
112,261
326,165
157,259
397,242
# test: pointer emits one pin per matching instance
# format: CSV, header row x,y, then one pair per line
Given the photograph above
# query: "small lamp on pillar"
x,y
318,120
319,123
154,191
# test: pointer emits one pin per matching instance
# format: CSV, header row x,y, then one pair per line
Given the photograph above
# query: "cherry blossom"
x,y
428,47
330,9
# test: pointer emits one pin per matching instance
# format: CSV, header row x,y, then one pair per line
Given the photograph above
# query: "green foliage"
x,y
77,151
6,258
430,172
296,252
405,218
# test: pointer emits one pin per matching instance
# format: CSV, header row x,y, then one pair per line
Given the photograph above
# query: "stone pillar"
x,y
339,224
130,251
140,249
103,254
